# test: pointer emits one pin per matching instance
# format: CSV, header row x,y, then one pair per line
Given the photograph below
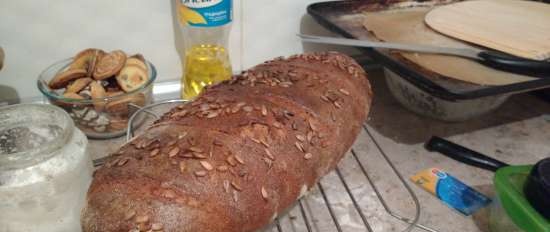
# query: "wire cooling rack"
x,y
345,208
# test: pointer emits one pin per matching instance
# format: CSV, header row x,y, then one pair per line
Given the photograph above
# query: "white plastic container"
x,y
45,171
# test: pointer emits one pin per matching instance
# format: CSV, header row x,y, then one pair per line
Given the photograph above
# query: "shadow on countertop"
x,y
389,118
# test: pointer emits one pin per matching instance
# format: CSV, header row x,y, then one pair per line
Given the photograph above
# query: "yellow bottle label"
x,y
204,65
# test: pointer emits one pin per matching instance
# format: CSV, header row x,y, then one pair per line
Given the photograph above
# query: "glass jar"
x,y
45,171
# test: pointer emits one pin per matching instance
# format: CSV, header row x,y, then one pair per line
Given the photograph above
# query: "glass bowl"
x,y
98,118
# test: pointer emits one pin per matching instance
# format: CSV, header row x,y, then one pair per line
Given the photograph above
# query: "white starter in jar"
x,y
45,171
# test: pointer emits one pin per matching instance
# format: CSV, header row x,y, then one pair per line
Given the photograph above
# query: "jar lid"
x,y
30,133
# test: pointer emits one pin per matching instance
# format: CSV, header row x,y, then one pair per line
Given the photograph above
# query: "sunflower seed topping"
x,y
308,156
182,167
142,219
312,126
173,152
269,154
213,114
345,92
195,149
200,173
309,136
218,143
337,104
301,138
264,193
248,108
226,186
122,161
299,146
198,155
129,215
231,160
222,168
236,186
157,227
154,152
264,110
181,135
206,165
277,125
239,159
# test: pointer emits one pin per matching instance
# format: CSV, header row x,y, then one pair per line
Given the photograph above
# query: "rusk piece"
x,y
109,65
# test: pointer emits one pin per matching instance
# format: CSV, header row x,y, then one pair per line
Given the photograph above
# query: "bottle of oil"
x,y
205,26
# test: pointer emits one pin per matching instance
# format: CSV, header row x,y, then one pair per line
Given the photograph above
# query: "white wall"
x,y
34,34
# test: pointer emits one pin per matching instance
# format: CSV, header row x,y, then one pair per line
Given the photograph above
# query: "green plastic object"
x,y
509,183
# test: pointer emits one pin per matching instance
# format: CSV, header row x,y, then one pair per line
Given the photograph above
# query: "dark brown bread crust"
x,y
239,154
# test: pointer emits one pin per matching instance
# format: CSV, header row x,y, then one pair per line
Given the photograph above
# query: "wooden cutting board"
x,y
517,27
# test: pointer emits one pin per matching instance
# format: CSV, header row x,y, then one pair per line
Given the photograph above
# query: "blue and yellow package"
x,y
451,191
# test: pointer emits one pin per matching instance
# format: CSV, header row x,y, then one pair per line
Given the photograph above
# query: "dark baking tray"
x,y
338,17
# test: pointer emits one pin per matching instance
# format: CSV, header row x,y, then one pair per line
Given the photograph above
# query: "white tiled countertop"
x,y
516,133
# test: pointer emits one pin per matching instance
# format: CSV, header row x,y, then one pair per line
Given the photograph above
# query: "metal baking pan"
x,y
344,18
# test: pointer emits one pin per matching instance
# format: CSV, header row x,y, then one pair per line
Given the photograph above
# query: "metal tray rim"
x,y
413,76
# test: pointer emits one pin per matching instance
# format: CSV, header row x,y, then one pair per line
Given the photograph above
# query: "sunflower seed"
x,y
195,149
235,196
129,215
173,152
170,194
122,161
325,98
333,116
299,146
197,155
308,156
206,165
154,152
301,138
248,108
345,92
222,168
218,143
277,125
157,227
236,186
269,155
142,219
181,135
264,143
312,126
255,140
294,126
231,160
264,193
264,110
337,104
239,159
171,143
310,135
213,114
200,173
182,167
268,162
226,185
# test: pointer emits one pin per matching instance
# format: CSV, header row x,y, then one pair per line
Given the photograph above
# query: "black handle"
x,y
519,65
462,154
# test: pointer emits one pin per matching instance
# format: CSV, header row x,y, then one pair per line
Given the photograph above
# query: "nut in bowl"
x,y
100,90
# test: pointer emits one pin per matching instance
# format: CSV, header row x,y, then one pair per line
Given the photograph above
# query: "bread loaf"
x,y
238,155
